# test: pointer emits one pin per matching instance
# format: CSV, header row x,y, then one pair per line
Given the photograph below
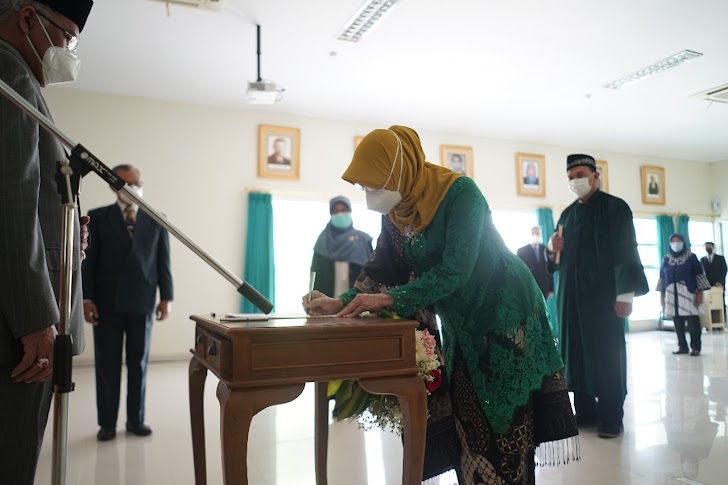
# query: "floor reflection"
x,y
690,431
675,432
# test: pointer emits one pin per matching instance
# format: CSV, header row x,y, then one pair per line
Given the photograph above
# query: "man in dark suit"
x,y
127,261
715,269
715,266
36,49
533,255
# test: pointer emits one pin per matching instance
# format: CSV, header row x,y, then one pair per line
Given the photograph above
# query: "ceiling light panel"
x,y
651,70
369,15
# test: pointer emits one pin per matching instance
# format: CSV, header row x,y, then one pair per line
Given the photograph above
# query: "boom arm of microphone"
x,y
90,162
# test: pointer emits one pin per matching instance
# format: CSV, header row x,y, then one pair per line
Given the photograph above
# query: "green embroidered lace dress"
x,y
491,309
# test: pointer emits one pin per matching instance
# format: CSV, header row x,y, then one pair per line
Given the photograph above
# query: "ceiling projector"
x,y
263,92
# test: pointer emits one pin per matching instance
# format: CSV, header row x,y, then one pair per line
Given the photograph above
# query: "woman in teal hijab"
x,y
340,251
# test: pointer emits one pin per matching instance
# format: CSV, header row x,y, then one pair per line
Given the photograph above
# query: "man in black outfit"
x,y
533,255
715,268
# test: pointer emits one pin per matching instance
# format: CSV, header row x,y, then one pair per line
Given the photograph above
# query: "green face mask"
x,y
342,220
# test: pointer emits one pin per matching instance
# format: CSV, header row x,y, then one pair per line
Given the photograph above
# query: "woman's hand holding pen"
x,y
321,304
316,303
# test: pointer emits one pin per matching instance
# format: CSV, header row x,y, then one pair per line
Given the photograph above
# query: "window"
x,y
700,232
296,226
298,222
647,307
515,227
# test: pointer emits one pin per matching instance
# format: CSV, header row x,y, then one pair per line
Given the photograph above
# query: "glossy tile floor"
x,y
675,432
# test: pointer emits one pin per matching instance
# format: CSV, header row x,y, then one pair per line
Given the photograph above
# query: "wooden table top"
x,y
221,324
263,352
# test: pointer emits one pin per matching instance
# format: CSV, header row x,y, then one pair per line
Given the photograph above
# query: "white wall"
x,y
197,162
719,185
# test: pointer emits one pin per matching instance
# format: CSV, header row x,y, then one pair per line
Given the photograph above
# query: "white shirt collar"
x,y
124,206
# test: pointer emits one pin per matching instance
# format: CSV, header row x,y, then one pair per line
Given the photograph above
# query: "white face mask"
x,y
580,187
60,65
137,190
382,200
676,246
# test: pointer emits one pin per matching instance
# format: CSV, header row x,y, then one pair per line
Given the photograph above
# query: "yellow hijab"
x,y
423,185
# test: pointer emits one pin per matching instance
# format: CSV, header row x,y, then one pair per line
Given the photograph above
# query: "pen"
x,y
310,285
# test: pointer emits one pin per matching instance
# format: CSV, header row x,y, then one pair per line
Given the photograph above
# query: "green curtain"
x,y
259,262
546,221
682,228
665,229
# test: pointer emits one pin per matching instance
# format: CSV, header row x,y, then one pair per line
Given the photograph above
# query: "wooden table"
x,y
264,363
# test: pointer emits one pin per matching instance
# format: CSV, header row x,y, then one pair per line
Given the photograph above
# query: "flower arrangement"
x,y
383,411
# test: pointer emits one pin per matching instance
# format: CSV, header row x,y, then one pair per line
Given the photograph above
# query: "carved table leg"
x,y
237,408
413,401
197,376
322,432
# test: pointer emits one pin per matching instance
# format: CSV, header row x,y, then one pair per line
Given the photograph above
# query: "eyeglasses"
x,y
71,40
365,188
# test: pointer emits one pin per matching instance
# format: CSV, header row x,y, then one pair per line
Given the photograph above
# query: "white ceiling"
x,y
517,69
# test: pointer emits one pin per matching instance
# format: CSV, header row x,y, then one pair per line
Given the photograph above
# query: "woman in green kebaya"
x,y
440,251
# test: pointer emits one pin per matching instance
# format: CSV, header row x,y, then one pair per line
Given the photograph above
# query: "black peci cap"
x,y
75,10
579,160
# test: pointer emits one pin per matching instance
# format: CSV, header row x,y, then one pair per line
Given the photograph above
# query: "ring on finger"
x,y
42,362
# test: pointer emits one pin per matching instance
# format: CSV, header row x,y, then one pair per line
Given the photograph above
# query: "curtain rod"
x,y
329,195
505,206
712,217
294,193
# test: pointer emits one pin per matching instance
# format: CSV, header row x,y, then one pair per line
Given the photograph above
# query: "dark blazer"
x,y
715,271
544,279
121,274
30,219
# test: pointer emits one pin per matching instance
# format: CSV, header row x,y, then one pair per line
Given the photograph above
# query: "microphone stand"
x,y
68,179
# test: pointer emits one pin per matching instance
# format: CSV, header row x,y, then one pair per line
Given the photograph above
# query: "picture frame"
x,y
457,158
278,152
603,169
531,175
653,185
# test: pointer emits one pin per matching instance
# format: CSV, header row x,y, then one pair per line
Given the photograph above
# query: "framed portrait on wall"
x,y
653,185
458,159
531,174
278,152
603,170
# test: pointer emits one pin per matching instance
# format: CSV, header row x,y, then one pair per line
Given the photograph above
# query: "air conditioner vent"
x,y
719,94
208,4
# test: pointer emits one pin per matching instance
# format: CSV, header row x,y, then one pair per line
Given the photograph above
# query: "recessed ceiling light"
x,y
368,15
653,69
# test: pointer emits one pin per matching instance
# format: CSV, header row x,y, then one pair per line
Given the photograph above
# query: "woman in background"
x,y
681,284
340,251
439,250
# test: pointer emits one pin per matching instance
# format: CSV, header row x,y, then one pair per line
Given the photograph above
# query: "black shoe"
x,y
106,434
138,429
695,353
586,422
609,430
680,351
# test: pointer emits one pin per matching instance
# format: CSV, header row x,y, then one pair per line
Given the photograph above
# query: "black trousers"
x,y
23,417
108,342
693,323
606,412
